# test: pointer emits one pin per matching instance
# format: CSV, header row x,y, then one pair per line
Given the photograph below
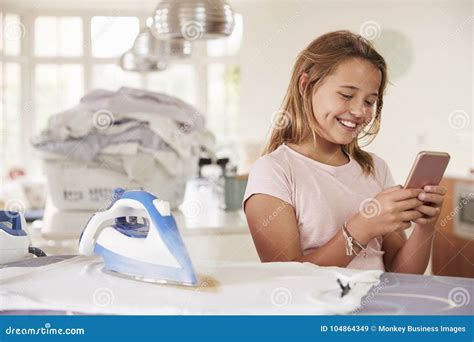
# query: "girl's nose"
x,y
357,109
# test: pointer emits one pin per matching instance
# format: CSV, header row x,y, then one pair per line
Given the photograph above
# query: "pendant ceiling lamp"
x,y
148,47
131,62
192,19
178,48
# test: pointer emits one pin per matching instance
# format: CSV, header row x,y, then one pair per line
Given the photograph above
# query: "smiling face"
x,y
346,100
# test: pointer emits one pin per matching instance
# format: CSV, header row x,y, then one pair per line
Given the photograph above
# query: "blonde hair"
x,y
318,60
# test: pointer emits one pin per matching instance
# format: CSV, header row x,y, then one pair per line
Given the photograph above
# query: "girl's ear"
x,y
302,83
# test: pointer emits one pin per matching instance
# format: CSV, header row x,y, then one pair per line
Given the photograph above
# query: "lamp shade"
x,y
178,48
192,19
148,47
131,62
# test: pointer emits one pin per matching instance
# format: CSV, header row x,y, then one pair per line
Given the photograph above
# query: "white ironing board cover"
x,y
80,285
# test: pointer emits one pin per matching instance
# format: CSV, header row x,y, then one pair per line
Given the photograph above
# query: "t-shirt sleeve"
x,y
268,177
386,178
389,181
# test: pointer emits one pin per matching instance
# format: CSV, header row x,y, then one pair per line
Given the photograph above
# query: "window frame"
x,y
28,62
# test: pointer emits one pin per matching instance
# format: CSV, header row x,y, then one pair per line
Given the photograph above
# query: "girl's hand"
x,y
432,197
391,210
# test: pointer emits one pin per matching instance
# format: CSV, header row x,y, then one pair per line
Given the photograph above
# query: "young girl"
x,y
315,195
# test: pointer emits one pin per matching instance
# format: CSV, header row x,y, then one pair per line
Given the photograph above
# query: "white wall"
x,y
417,105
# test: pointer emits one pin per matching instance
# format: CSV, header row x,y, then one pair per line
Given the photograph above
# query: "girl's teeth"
x,y
347,123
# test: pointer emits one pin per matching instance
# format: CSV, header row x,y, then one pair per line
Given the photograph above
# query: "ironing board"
x,y
397,294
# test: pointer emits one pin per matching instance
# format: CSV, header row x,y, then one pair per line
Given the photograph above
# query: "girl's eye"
x,y
347,97
368,103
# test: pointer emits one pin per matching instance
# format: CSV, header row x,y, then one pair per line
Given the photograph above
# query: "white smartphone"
x,y
428,169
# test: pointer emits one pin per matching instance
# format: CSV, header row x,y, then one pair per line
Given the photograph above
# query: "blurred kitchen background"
x,y
216,73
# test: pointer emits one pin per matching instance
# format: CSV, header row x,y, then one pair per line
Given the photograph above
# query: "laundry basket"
x,y
88,186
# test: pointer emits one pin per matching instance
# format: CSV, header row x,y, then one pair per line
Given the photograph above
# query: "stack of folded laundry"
x,y
129,138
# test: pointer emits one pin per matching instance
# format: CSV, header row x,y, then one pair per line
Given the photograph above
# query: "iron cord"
x,y
36,251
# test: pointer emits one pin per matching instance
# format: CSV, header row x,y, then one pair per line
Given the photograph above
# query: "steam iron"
x,y
151,251
15,244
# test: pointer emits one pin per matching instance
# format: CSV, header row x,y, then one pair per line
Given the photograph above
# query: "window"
x,y
58,87
58,36
105,30
70,54
177,80
223,83
13,32
111,77
9,114
223,100
228,46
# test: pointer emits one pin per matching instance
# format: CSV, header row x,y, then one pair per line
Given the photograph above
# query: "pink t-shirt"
x,y
323,196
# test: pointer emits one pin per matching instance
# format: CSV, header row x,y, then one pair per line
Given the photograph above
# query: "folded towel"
x,y
100,109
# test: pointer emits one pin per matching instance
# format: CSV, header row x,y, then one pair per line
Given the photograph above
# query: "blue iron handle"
x,y
131,203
